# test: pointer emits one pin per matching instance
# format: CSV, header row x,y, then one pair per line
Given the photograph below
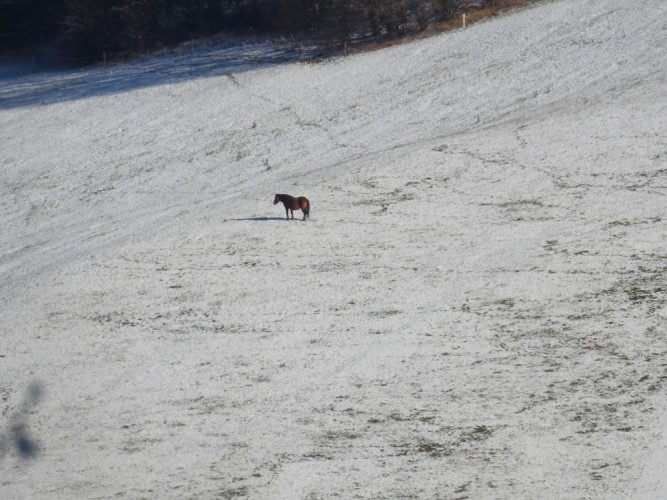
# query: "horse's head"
x,y
276,200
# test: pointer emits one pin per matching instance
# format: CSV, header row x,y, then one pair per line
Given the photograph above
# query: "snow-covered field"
x,y
476,308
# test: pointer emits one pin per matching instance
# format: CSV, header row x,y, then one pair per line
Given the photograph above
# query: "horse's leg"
x,y
287,212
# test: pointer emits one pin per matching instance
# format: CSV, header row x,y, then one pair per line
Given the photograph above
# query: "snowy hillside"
x,y
476,308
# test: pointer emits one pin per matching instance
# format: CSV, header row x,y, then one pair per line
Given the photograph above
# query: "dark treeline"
x,y
80,31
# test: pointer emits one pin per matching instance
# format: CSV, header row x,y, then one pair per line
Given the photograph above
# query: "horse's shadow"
x,y
258,219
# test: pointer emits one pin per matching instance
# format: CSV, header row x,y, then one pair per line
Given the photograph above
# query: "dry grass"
x,y
472,16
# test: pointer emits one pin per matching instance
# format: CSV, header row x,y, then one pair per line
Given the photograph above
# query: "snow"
x,y
476,308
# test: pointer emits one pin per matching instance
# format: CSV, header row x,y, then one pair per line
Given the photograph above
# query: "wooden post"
x,y
464,20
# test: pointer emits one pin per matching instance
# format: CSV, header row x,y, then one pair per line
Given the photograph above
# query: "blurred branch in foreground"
x,y
16,436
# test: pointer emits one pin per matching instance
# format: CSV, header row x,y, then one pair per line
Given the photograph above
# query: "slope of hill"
x,y
476,308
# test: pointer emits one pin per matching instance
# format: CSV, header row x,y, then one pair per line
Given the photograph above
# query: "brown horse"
x,y
293,203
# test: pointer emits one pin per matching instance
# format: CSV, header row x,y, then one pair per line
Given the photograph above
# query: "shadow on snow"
x,y
21,87
261,219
